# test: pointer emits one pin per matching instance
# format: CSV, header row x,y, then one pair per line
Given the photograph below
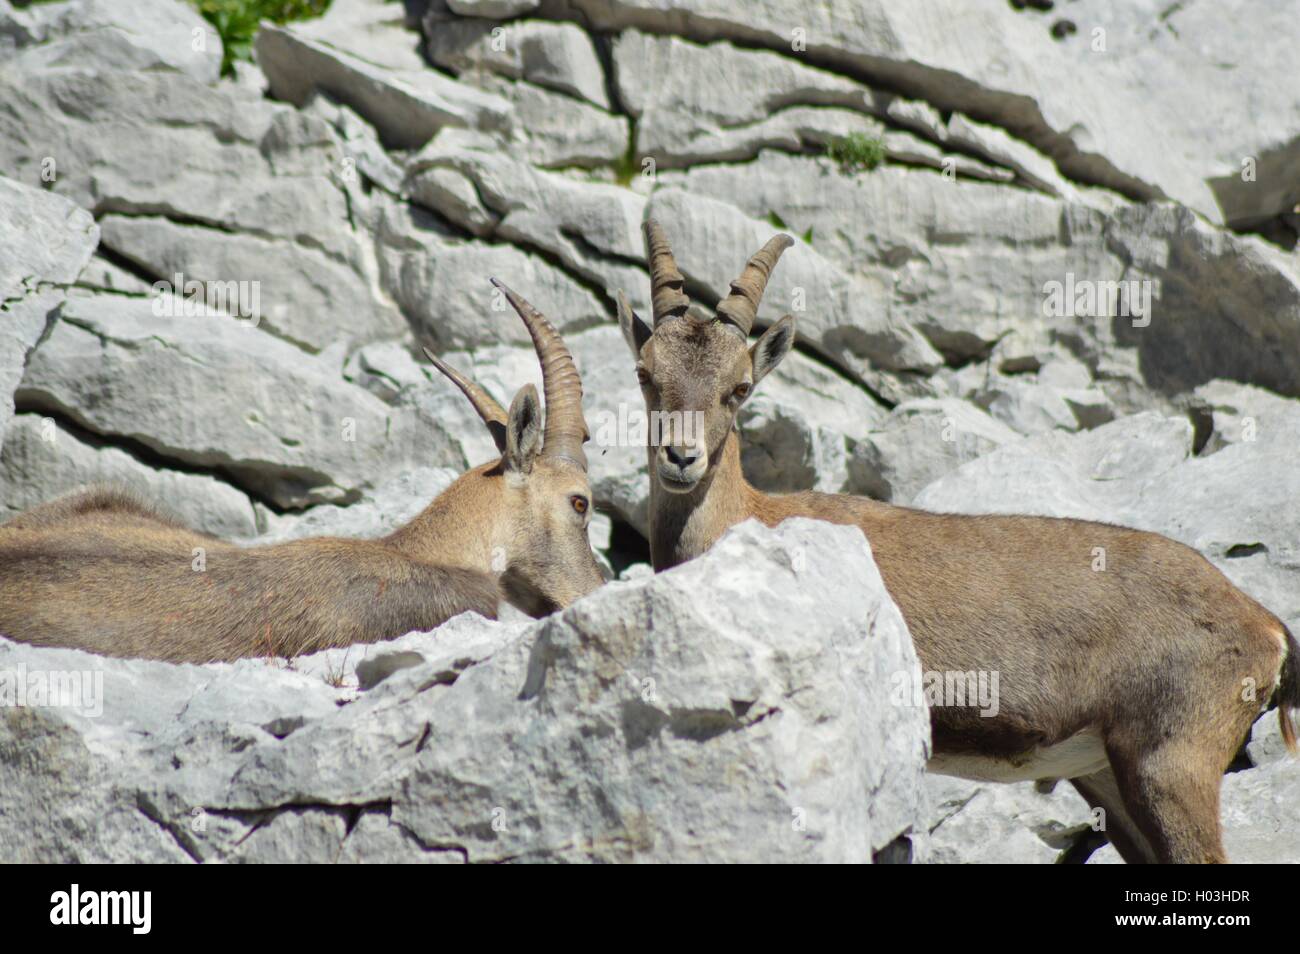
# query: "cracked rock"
x,y
557,56
919,442
45,241
142,35
976,823
440,281
177,386
42,459
407,107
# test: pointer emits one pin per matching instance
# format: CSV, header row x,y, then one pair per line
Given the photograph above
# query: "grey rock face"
x,y
41,459
153,152
441,282
712,744
407,107
558,56
800,430
1138,142
592,229
1045,273
919,442
974,823
45,241
149,34
177,382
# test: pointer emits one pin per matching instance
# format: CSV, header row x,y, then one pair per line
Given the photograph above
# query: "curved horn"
x,y
666,282
566,428
488,409
741,306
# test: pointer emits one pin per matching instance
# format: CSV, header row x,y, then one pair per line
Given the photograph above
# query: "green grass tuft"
x,y
856,152
778,223
236,22
628,166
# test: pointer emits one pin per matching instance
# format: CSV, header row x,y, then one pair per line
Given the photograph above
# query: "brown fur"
x,y
103,571
1153,653
114,577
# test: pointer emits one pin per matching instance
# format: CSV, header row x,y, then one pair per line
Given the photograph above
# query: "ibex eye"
x,y
642,375
579,503
742,390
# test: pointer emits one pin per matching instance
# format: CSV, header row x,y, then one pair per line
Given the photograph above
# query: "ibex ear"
x,y
770,349
523,431
635,331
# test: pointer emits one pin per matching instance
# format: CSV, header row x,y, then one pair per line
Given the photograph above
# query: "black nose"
x,y
682,457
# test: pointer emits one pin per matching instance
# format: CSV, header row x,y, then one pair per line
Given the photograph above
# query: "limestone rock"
x,y
144,35
45,241
210,391
977,823
42,460
441,283
919,442
1112,114
592,229
557,56
406,106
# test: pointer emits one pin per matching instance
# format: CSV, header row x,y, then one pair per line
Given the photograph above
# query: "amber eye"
x,y
742,391
580,503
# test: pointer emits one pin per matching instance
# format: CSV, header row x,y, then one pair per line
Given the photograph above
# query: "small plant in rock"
x,y
779,223
237,22
336,676
856,152
628,166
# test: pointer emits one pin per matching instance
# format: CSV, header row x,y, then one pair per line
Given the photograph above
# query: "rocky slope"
x,y
374,167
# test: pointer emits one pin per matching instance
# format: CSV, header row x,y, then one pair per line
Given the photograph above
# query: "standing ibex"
x,y
102,571
1135,682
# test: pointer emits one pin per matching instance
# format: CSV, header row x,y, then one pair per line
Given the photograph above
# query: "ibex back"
x,y
103,571
1138,682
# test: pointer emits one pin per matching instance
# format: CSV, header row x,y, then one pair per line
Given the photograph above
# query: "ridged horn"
x,y
741,306
666,282
493,415
566,428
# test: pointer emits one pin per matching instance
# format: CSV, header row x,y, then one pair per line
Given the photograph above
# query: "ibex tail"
x,y
1288,691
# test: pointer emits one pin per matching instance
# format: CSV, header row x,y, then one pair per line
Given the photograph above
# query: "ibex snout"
x,y
681,466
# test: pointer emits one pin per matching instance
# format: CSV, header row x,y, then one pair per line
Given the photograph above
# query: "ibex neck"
x,y
461,527
682,526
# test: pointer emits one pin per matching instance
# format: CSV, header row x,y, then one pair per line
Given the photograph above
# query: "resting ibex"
x,y
1133,681
102,571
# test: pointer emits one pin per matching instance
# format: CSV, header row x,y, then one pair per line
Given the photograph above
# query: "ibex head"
x,y
696,371
537,502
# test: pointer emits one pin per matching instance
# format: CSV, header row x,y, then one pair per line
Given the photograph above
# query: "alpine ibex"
x,y
102,571
1134,682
